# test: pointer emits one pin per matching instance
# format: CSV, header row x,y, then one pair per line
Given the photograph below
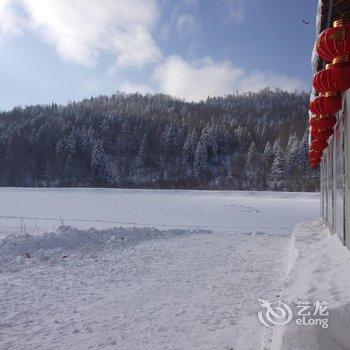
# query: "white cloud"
x,y
187,24
235,10
131,88
256,80
195,81
11,22
81,30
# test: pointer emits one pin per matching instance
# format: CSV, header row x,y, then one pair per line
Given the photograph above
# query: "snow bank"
x,y
319,271
191,291
65,240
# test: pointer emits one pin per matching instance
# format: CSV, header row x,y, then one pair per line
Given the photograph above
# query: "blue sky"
x,y
65,50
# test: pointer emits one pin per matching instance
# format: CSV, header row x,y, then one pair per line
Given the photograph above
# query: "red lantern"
x,y
326,122
324,135
314,132
313,154
313,121
334,42
327,103
333,78
319,145
315,160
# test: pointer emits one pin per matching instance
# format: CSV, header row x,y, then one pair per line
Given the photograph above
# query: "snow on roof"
x,y
314,57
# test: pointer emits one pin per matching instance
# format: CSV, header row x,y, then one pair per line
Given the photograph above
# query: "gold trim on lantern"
x,y
332,93
323,116
341,59
340,22
338,35
329,65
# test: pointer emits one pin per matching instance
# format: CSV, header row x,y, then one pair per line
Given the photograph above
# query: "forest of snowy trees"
x,y
252,141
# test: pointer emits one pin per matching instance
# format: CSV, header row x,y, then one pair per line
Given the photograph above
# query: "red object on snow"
x,y
334,43
327,103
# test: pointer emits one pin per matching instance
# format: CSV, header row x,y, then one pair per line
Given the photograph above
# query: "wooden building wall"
x,y
335,176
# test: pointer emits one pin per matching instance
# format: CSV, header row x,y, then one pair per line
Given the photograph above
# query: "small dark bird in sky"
x,y
306,22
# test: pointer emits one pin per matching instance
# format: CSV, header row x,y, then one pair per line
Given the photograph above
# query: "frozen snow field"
x,y
160,269
43,210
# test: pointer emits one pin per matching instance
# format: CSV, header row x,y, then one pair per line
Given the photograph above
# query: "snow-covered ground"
x,y
43,210
319,271
192,282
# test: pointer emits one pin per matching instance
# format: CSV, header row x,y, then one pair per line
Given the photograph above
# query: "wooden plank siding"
x,y
335,167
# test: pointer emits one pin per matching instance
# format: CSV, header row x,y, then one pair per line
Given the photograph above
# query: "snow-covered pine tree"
x,y
277,149
278,173
70,165
170,141
252,168
268,155
188,154
201,160
141,160
189,147
105,127
69,170
302,160
223,139
293,139
292,159
99,163
60,157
